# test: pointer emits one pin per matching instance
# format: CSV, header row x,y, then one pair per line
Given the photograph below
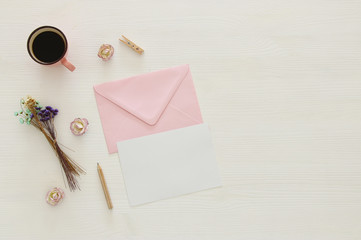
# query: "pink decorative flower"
x,y
106,51
79,126
54,196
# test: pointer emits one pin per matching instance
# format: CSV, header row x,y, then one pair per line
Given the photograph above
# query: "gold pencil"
x,y
104,185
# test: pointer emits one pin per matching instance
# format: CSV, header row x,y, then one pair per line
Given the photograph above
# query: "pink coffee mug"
x,y
47,45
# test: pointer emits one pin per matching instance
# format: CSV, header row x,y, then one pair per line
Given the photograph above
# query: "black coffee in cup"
x,y
48,47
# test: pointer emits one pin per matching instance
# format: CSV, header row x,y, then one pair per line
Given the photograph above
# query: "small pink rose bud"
x,y
106,51
54,196
79,126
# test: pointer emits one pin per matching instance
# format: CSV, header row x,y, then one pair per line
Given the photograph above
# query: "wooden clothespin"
x,y
132,45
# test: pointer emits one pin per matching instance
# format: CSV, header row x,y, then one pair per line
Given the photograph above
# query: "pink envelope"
x,y
147,104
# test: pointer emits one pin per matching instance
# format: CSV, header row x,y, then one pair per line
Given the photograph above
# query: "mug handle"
x,y
67,64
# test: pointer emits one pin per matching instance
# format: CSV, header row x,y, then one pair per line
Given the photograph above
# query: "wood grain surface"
x,y
279,83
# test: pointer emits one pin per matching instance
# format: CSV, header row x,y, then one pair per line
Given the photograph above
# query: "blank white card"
x,y
168,164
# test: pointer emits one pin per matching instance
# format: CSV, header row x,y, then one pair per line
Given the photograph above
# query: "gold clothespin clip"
x,y
132,45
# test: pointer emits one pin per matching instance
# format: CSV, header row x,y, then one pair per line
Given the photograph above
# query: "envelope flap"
x,y
147,95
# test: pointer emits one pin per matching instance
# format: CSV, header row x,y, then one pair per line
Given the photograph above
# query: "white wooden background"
x,y
278,82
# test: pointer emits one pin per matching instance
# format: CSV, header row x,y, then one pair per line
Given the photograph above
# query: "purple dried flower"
x,y
32,113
